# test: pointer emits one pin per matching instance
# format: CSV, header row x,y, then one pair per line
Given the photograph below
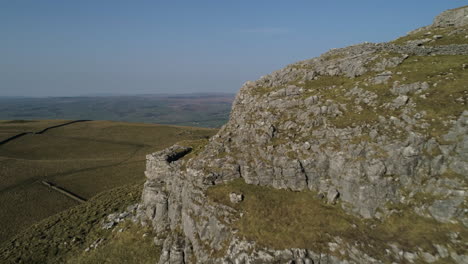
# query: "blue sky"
x,y
70,47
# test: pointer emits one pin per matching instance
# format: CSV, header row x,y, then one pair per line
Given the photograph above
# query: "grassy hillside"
x,y
10,128
64,237
84,158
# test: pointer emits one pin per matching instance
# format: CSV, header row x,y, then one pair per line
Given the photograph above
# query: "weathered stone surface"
x,y
444,210
404,89
454,17
236,197
382,77
332,196
283,136
400,101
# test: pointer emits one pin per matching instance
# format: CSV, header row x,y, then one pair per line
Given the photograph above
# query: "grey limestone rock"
x,y
455,17
286,135
400,101
404,89
236,197
332,196
382,77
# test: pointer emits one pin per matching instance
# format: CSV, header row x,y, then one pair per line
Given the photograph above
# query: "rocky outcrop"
x,y
355,125
456,17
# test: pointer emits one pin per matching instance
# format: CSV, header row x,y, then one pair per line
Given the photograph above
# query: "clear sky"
x,y
81,47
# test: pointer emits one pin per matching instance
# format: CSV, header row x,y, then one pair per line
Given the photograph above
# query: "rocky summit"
x,y
357,156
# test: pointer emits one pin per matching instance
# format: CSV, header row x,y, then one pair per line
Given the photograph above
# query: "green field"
x,y
13,127
84,158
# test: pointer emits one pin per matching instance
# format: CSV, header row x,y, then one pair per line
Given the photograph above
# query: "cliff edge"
x,y
357,156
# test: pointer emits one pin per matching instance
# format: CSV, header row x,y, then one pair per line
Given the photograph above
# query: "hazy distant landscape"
x,y
202,110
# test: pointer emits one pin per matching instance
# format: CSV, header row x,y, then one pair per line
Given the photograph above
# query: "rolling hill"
x,y
83,158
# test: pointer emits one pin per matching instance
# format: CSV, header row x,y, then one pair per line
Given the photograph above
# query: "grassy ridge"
x,y
84,158
447,36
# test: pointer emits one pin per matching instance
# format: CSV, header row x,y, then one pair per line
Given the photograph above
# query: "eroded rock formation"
x,y
357,125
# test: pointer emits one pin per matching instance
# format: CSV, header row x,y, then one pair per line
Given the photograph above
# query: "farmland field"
x,y
84,158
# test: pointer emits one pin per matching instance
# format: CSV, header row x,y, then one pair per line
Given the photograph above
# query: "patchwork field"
x,y
84,158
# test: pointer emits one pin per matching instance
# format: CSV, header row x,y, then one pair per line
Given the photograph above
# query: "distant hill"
x,y
203,110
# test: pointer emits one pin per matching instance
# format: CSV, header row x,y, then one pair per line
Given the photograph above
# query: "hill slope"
x,y
84,158
359,155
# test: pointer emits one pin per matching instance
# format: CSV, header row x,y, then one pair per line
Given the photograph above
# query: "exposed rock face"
x,y
456,17
451,18
235,197
347,125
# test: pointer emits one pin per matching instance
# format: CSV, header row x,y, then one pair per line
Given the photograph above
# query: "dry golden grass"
x,y
133,245
84,158
284,219
64,236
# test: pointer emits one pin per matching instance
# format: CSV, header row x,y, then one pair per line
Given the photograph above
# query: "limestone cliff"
x,y
372,130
